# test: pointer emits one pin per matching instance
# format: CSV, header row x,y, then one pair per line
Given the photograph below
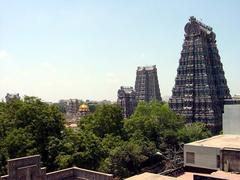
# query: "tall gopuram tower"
x,y
146,84
200,86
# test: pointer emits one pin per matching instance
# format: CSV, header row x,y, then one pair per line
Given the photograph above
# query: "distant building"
x,y
146,84
127,100
200,86
10,97
104,102
72,106
236,96
29,168
234,100
220,152
83,110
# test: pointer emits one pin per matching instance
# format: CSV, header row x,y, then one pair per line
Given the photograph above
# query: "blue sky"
x,y
58,49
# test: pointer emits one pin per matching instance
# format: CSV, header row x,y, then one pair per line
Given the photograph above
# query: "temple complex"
x,y
146,84
200,86
83,110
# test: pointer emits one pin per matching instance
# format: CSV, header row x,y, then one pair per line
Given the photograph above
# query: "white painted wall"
x,y
231,119
205,157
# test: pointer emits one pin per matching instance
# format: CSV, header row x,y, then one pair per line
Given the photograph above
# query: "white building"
x,y
220,152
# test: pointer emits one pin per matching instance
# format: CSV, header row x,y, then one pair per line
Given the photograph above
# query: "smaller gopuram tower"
x,y
146,84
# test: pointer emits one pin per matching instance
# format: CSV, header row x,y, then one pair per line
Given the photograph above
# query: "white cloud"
x,y
3,54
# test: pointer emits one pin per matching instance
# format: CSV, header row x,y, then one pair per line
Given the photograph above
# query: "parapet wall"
x,y
78,173
88,174
28,168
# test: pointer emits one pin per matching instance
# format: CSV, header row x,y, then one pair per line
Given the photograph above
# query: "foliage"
x,y
103,140
193,132
19,143
156,122
61,107
25,127
107,119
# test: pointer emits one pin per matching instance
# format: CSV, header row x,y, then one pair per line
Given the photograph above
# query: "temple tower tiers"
x,y
200,86
146,84
127,100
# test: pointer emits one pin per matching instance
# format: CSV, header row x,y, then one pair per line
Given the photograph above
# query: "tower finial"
x,y
192,18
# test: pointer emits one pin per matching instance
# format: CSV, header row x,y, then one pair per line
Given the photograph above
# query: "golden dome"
x,y
83,108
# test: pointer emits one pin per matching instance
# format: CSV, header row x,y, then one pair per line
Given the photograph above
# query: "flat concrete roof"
x,y
185,176
220,141
150,176
217,174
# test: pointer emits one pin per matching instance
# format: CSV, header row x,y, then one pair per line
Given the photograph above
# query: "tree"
x,y
77,148
26,126
107,119
127,159
155,121
193,132
103,140
19,143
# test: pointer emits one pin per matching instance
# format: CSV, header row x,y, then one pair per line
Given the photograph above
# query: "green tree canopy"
x,y
155,121
193,132
26,125
107,119
103,140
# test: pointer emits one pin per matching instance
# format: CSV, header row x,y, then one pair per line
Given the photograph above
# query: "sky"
x,y
58,49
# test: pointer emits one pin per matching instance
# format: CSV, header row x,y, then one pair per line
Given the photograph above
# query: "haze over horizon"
x,y
88,49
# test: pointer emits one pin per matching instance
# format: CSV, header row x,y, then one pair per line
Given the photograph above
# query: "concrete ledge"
x,y
26,167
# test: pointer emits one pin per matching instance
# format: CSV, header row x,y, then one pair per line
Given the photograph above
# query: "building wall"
x,y
231,160
78,173
88,174
205,157
231,119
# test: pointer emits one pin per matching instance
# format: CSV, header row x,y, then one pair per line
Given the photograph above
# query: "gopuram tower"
x,y
200,86
146,84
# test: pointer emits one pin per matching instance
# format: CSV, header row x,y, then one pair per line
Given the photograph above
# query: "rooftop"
x,y
220,141
147,68
217,174
127,89
150,176
185,176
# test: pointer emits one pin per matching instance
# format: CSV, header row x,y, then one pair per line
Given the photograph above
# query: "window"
x,y
191,157
218,161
